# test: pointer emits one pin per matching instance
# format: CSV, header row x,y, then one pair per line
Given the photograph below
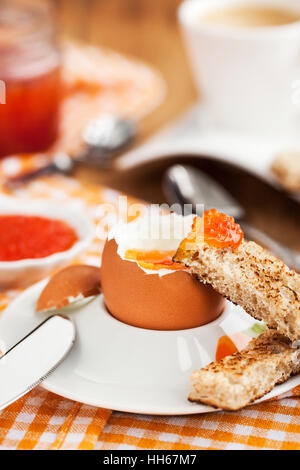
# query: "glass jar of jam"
x,y
30,77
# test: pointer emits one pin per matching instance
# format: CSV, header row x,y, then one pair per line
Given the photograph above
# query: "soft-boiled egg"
x,y
143,287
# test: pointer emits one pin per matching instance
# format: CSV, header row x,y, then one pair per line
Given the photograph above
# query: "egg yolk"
x,y
218,229
154,260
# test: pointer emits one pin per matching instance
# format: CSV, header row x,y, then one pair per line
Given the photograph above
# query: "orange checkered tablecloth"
x,y
103,81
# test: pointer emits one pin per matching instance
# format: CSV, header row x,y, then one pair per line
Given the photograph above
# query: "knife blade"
x,y
35,357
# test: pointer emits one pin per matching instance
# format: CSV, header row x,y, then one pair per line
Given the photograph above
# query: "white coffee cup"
x,y
248,78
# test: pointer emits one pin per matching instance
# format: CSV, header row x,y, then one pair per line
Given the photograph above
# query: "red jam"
x,y
221,231
30,87
30,117
27,237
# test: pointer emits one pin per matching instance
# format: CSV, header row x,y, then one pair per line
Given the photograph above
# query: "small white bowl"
x,y
27,271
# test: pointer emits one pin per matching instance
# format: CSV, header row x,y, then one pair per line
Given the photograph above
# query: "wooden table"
x,y
148,30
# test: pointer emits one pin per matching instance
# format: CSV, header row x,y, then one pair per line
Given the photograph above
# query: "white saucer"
x,y
116,366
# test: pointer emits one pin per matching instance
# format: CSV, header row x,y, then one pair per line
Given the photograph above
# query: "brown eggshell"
x,y
69,283
176,301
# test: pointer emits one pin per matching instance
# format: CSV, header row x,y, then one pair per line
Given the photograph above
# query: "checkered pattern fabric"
x,y
42,420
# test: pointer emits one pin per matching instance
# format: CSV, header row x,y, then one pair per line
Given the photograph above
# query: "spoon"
x,y
104,137
188,185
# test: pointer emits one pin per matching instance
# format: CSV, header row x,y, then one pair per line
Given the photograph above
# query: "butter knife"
x,y
34,358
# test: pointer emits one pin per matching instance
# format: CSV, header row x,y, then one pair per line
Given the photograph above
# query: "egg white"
x,y
152,231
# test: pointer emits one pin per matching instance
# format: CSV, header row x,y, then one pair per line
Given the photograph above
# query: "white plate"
x,y
193,135
116,366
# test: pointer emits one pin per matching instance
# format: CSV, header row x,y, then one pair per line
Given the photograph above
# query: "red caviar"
x,y
27,237
221,231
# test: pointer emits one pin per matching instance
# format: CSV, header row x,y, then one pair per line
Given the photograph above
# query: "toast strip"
x,y
250,277
238,380
286,167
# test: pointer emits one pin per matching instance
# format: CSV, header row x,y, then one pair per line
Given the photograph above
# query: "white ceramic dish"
x,y
194,135
25,272
120,367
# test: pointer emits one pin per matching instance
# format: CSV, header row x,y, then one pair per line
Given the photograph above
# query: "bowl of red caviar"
x,y
38,237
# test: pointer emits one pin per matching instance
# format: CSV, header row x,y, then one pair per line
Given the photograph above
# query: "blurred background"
x,y
148,30
145,29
